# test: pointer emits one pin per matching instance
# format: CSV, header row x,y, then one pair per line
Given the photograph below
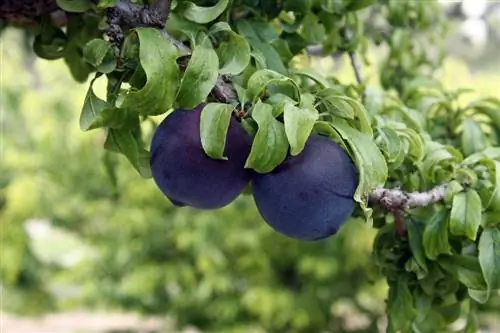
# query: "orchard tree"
x,y
245,113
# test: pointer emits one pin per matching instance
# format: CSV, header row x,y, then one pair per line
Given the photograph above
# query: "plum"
x,y
309,196
185,174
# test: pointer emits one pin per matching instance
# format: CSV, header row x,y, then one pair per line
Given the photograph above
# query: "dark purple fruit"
x,y
308,196
186,174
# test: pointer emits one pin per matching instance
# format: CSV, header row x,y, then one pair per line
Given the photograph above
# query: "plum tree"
x,y
186,174
428,160
309,196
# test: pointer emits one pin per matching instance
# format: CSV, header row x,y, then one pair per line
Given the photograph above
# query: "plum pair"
x,y
307,197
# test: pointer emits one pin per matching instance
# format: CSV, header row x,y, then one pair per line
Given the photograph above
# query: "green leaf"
x,y
450,312
74,6
465,215
260,80
99,53
438,157
250,126
335,106
270,144
369,160
124,141
234,55
158,60
435,238
106,3
415,234
214,123
50,44
473,138
391,144
204,15
110,166
437,282
260,35
416,145
472,323
241,93
311,29
374,99
298,5
92,107
358,4
112,118
488,107
452,189
494,201
313,75
348,108
283,49
400,306
466,269
200,76
180,28
278,101
427,319
80,70
480,296
299,123
489,257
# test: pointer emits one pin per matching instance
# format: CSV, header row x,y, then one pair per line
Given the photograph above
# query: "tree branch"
x,y
163,7
396,202
25,11
128,14
396,199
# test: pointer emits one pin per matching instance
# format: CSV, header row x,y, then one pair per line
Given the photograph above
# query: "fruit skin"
x,y
186,174
308,196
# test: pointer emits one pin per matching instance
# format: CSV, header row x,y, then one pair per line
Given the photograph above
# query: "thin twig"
x,y
399,222
356,66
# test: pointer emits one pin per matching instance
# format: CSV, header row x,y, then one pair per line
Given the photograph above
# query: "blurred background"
x,y
90,250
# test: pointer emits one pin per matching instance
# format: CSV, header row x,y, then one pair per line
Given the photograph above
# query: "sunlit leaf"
x,y
234,55
435,237
199,78
214,123
299,123
465,217
158,60
260,80
270,144
100,55
489,257
203,15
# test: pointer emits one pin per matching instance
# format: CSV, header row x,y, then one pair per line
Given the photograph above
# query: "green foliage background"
x,y
122,245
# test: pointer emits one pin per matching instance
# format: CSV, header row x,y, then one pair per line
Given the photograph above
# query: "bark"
x,y
25,11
